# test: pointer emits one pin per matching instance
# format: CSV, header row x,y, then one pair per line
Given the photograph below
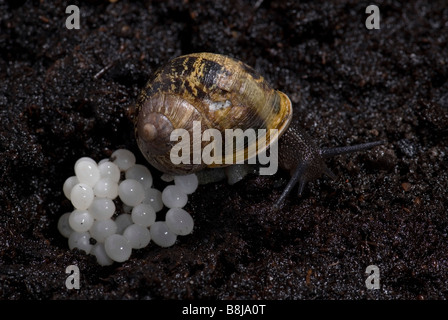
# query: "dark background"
x,y
65,94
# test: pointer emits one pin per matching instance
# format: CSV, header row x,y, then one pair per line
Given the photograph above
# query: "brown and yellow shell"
x,y
220,92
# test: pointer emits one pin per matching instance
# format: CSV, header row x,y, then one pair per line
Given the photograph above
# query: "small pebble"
x,y
406,186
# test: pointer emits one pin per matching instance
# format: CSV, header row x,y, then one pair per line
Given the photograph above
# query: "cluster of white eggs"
x,y
95,191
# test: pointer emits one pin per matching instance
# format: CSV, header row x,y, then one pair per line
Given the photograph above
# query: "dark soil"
x,y
66,93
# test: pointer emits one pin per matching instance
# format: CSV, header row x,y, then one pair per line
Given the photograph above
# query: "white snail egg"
x,y
161,235
144,215
100,230
137,235
174,197
131,192
141,174
80,220
80,240
106,188
68,185
117,247
109,170
99,252
85,159
93,191
153,197
81,196
123,158
103,160
102,208
87,172
179,221
123,221
188,183
63,225
126,208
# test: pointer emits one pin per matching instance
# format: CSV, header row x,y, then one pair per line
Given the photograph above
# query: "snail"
x,y
225,93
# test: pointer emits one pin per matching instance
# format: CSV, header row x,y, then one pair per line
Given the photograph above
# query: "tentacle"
x,y
298,176
330,174
330,152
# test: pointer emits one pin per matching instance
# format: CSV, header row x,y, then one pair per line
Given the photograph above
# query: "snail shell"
x,y
220,92
224,93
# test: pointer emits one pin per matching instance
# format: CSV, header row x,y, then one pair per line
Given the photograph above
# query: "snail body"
x,y
224,93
